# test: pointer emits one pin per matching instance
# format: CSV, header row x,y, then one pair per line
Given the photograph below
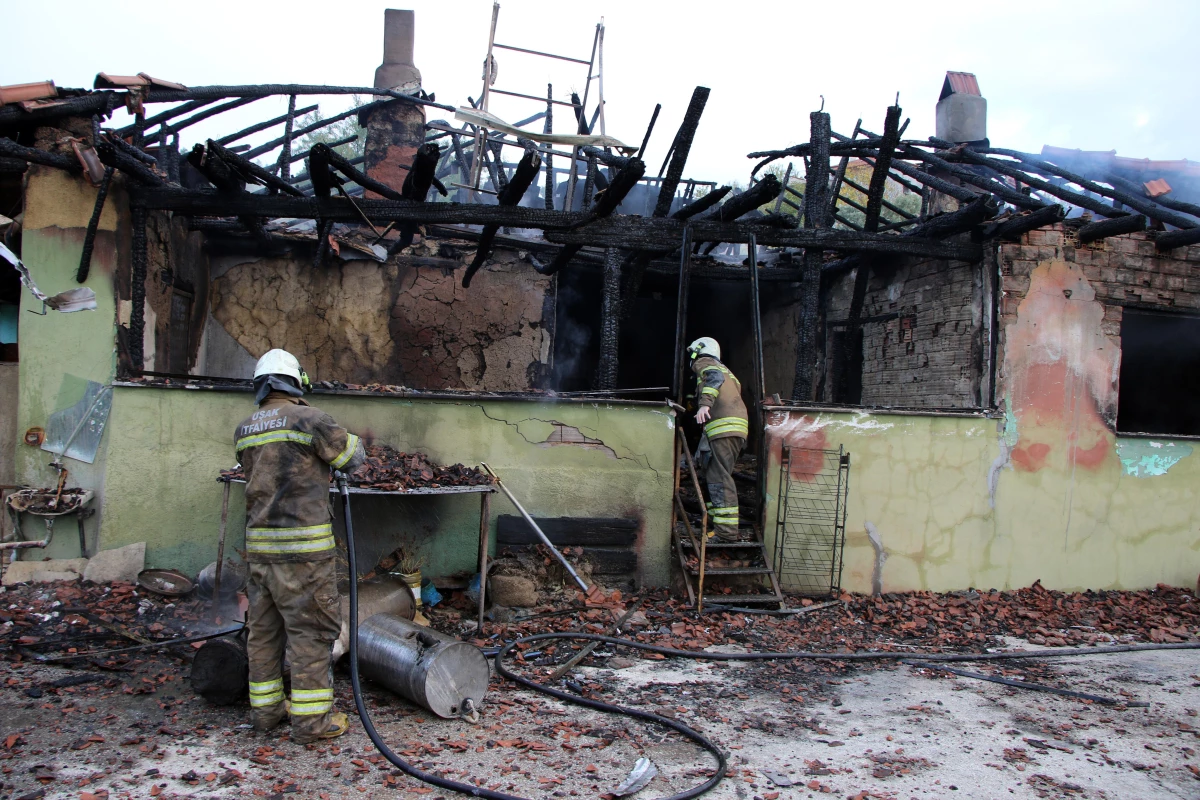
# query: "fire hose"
x,y
599,705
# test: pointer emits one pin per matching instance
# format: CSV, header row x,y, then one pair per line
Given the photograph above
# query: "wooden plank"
x,y
619,231
611,561
568,531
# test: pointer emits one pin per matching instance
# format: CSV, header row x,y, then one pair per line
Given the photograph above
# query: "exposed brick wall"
x,y
1123,270
927,354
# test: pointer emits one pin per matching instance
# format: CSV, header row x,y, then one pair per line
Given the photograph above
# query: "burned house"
x,y
968,365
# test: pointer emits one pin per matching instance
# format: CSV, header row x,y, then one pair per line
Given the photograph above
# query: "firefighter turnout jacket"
x,y
286,448
718,389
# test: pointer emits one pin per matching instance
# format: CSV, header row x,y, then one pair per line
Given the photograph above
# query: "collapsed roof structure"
x,y
481,262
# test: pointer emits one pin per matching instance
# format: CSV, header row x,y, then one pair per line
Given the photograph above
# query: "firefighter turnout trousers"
x,y
294,606
722,491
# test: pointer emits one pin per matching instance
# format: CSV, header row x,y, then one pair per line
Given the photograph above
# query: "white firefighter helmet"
x,y
705,346
281,362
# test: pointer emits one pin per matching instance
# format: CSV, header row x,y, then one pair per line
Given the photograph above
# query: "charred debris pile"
x,y
389,470
971,193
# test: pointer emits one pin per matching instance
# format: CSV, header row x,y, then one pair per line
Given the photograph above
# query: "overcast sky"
x,y
1095,75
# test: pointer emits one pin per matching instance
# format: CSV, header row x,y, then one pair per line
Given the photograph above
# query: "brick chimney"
x,y
396,129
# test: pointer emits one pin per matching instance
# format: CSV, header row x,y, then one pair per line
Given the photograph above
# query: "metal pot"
x,y
233,579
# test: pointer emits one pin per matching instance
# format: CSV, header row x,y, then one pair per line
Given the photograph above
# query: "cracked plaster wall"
x,y
171,444
397,323
923,481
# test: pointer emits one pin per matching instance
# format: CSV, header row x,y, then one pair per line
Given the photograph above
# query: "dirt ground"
x,y
134,728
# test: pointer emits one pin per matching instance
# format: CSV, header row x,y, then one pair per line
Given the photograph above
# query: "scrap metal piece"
x,y
80,299
75,432
643,772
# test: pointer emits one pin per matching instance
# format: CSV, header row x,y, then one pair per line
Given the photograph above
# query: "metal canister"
x,y
437,672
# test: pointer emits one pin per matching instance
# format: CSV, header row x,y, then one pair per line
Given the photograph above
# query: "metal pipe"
x,y
545,539
36,543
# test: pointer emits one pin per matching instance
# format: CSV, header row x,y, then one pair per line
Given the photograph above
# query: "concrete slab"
x,y
25,571
120,564
48,576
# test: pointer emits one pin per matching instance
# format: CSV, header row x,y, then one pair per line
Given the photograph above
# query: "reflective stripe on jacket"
x,y
719,389
286,449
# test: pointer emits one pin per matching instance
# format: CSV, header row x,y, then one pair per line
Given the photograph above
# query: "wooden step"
x,y
714,545
710,571
735,599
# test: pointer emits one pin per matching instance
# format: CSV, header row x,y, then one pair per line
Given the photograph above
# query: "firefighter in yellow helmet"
x,y
286,449
723,415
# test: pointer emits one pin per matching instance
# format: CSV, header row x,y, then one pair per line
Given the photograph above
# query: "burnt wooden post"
x,y
676,160
681,306
649,130
883,164
285,155
421,176
622,183
682,146
862,276
89,238
1093,231
526,172
548,127
137,291
1014,226
743,203
1181,238
610,321
840,174
589,183
816,203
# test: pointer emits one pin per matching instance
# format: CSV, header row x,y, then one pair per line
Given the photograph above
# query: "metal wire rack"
x,y
810,526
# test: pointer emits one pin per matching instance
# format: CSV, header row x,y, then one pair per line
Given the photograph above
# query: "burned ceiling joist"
x,y
628,222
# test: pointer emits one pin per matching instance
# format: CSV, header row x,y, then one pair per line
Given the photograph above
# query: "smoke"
x,y
575,339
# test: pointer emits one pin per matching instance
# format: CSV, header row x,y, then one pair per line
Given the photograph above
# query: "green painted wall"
x,y
167,446
61,352
1130,521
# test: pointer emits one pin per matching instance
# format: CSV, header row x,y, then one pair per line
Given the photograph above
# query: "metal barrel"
x,y
435,671
385,595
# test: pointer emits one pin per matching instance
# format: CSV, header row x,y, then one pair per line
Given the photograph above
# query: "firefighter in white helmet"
x,y
723,415
286,449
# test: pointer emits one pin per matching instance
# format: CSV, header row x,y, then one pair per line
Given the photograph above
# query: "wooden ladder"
x,y
689,542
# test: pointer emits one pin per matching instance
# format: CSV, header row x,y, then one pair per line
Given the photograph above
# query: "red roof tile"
x,y
22,92
1157,187
106,81
960,83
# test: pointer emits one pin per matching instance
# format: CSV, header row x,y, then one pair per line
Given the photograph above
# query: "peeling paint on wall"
x,y
1146,458
923,481
571,436
876,540
1060,373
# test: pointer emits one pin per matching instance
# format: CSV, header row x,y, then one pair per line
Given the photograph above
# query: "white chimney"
x,y
398,70
961,110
